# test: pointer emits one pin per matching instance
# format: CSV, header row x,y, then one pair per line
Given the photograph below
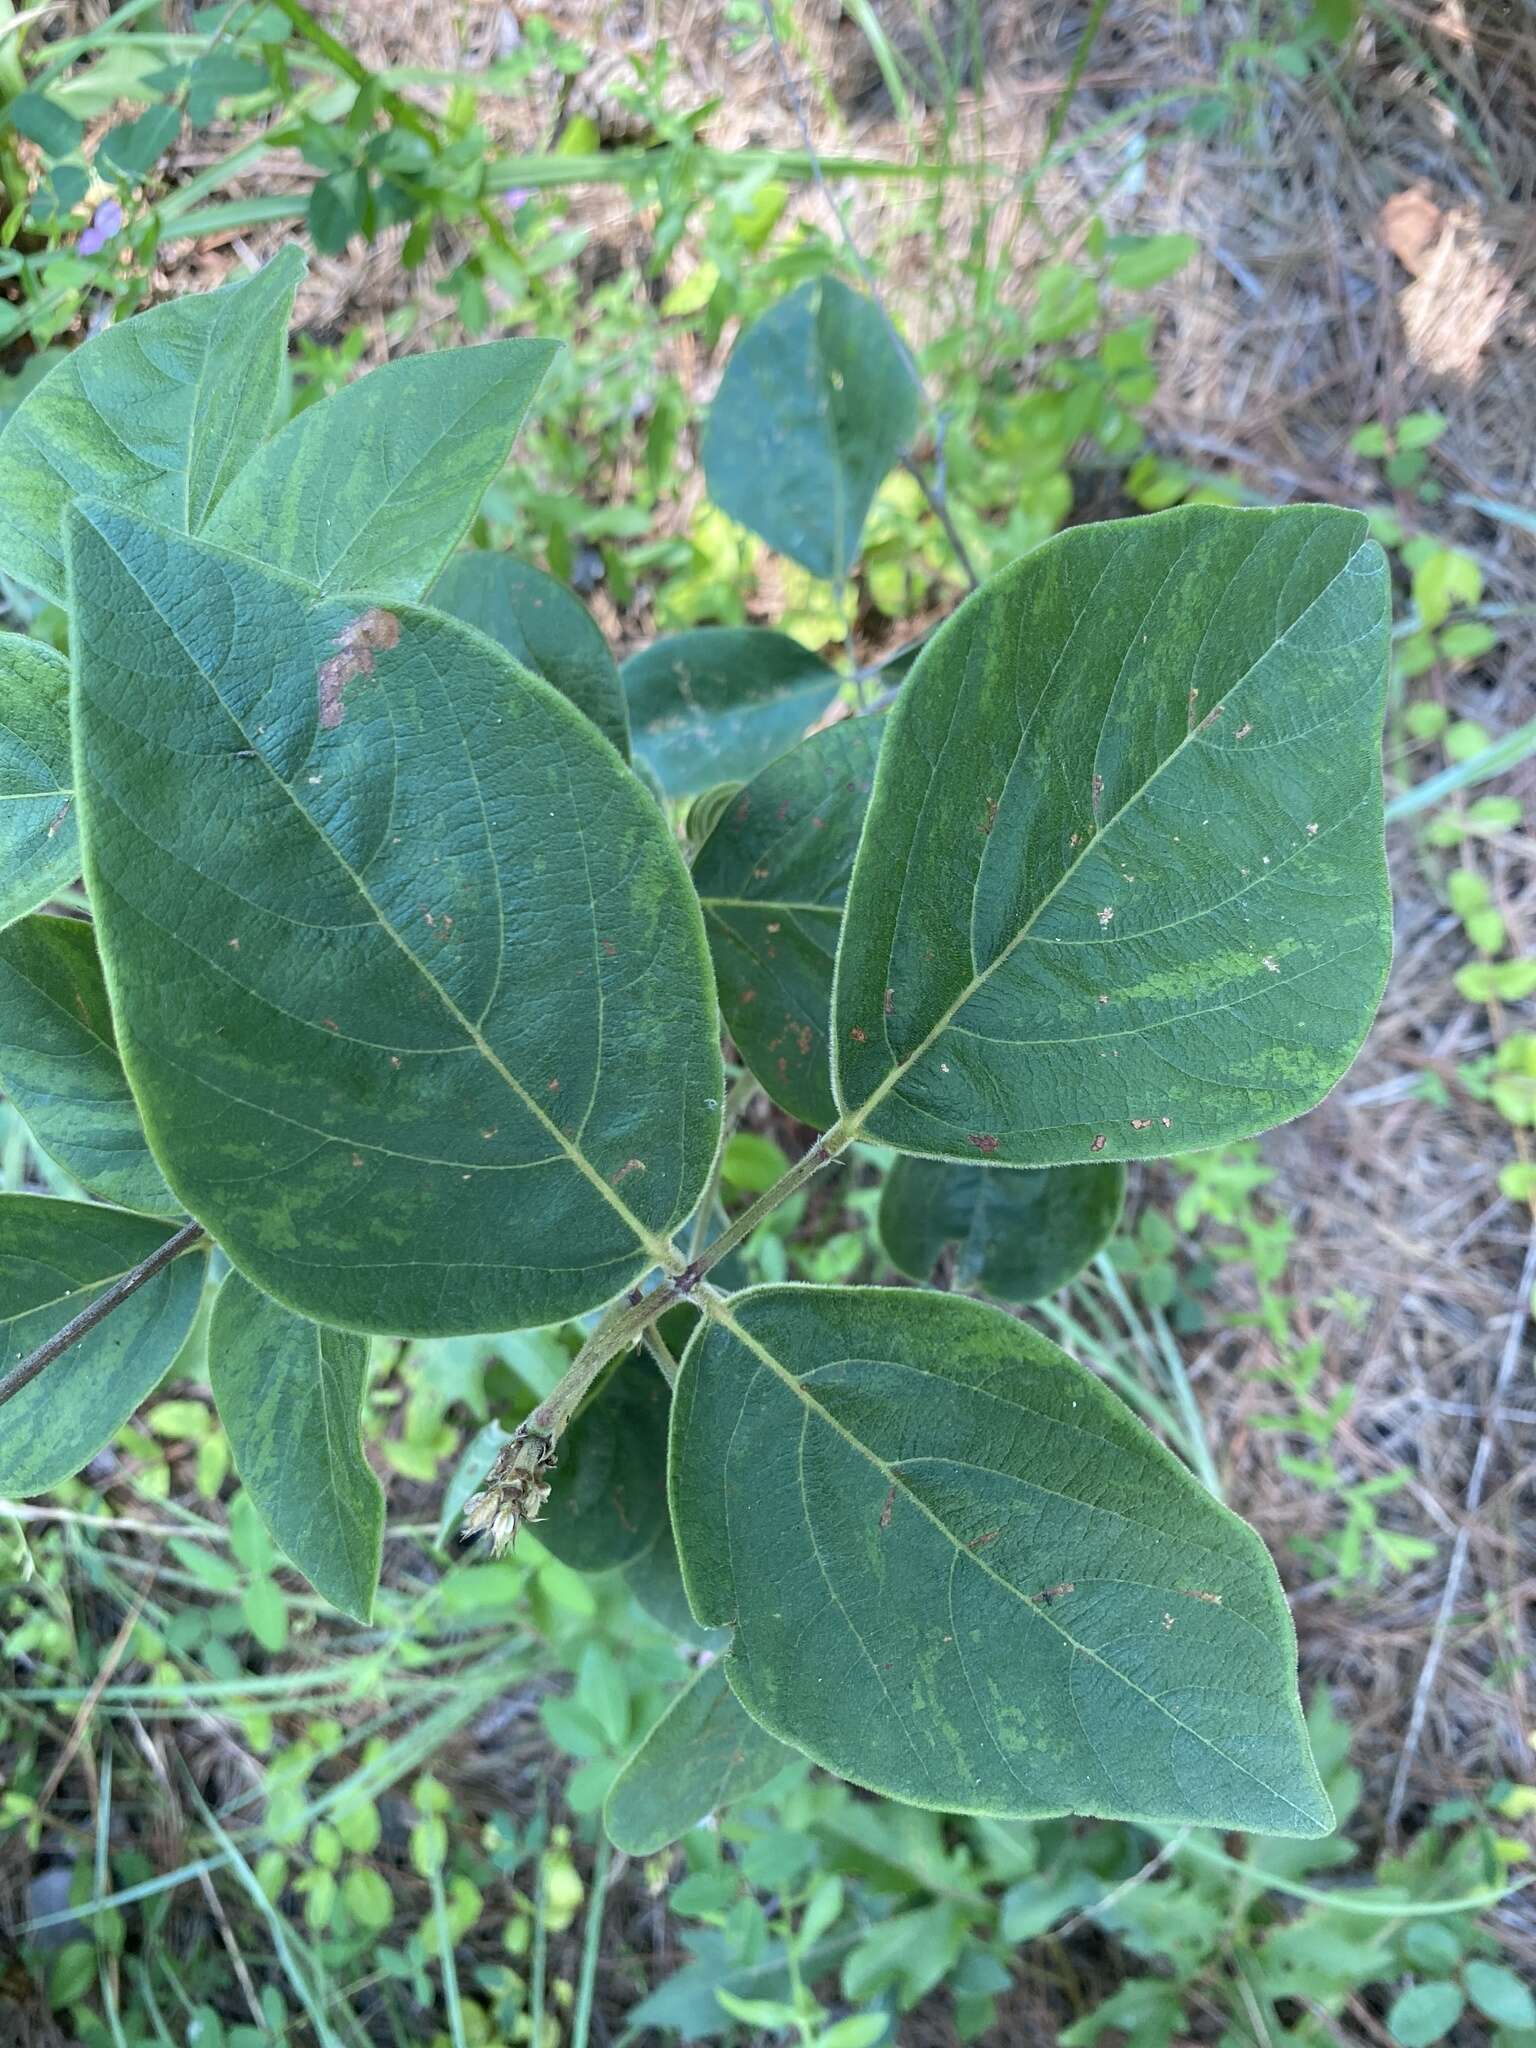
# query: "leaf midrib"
x,y
720,1312
853,1120
659,1247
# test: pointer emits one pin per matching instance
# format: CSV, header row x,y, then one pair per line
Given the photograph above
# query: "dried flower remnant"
x,y
514,1492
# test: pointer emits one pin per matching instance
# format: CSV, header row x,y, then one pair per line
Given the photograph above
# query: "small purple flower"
x,y
105,222
517,198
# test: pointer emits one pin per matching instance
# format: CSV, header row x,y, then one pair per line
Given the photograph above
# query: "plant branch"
x,y
110,1298
743,1088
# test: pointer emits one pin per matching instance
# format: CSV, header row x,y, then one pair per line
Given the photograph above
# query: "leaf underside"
x,y
55,1258
610,1505
962,1574
1018,1232
39,843
1122,886
542,625
717,704
409,981
705,1751
59,1063
817,402
771,878
290,1394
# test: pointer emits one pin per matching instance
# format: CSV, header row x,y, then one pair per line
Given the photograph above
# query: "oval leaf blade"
x,y
155,416
1018,1232
290,1395
59,1063
716,704
55,1258
705,1751
610,1506
372,488
962,1574
817,402
1122,886
772,877
426,1049
39,843
542,625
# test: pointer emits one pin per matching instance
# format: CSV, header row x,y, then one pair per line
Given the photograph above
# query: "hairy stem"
x,y
110,1298
743,1088
631,1321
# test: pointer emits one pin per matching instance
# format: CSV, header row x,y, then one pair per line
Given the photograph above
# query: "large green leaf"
x,y
818,400
373,488
715,704
290,1396
155,416
1122,888
705,1751
962,1574
609,1504
55,1258
655,1578
39,843
771,877
1018,1232
409,980
59,1063
544,626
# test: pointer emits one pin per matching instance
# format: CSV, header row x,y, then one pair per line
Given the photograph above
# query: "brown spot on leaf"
x,y
803,1039
554,1088
1049,1594
983,1141
981,1542
1195,1593
630,1166
610,950
885,1512
330,1023
890,1001
858,1035
374,631
1242,732
748,995
58,817
1140,1123
1099,1143
357,1158
991,818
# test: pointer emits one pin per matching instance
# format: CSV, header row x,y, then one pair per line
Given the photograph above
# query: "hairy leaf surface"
x,y
290,1395
1122,886
610,1502
716,704
155,415
542,625
39,842
59,1063
373,488
1018,1232
705,1751
817,402
55,1258
962,1574
772,877
409,980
